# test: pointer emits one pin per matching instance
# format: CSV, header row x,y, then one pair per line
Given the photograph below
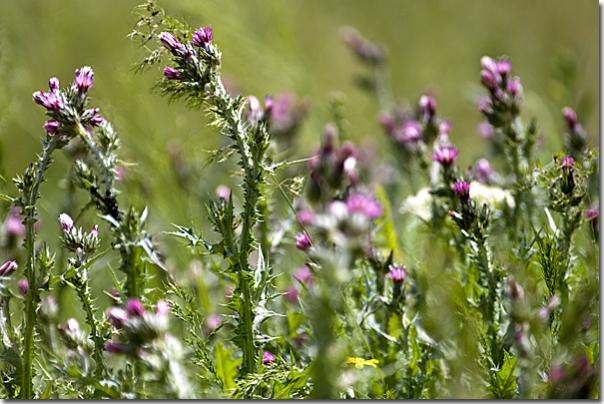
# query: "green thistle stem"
x,y
32,298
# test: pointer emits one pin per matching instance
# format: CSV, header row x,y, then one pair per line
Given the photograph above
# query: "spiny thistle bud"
x,y
23,286
303,242
445,155
483,170
52,127
66,221
361,203
397,273
170,42
162,308
462,190
50,101
8,268
134,307
171,74
427,106
202,37
53,84
117,316
84,79
267,358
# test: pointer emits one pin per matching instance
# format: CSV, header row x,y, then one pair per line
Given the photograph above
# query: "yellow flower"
x,y
360,362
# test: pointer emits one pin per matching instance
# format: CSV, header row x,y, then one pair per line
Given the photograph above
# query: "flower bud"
x,y
397,273
387,122
66,221
462,190
170,41
365,205
483,170
23,286
171,74
117,316
53,84
223,192
412,131
503,67
303,242
134,307
8,268
488,64
571,117
445,155
306,217
488,80
72,325
485,129
96,120
50,101
267,357
52,127
114,348
95,230
162,308
302,274
84,79
427,105
202,37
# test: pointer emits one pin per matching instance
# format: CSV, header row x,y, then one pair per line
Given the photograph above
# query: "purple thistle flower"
x,y
303,242
162,308
213,321
444,128
52,127
13,225
514,87
114,348
50,101
170,41
53,84
412,131
364,204
485,130
84,79
488,80
484,104
592,213
570,116
488,64
568,163
72,325
170,73
66,221
23,286
397,273
302,274
292,294
96,120
387,122
306,217
267,357
134,307
223,192
503,67
483,170
8,268
445,155
117,316
269,105
462,190
202,37
427,105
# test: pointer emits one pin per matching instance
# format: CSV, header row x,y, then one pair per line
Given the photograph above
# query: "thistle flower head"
x,y
162,308
170,73
84,79
303,242
483,170
117,316
445,155
568,163
592,213
411,131
202,37
72,325
135,308
485,129
302,274
53,84
50,101
66,221
8,268
387,122
223,192
114,348
397,273
13,225
170,42
570,117
364,204
267,357
23,286
427,106
462,190
306,217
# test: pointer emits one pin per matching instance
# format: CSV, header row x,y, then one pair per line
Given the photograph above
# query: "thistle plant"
x,y
315,276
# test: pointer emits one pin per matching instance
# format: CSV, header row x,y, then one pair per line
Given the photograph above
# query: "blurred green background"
x,y
270,46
